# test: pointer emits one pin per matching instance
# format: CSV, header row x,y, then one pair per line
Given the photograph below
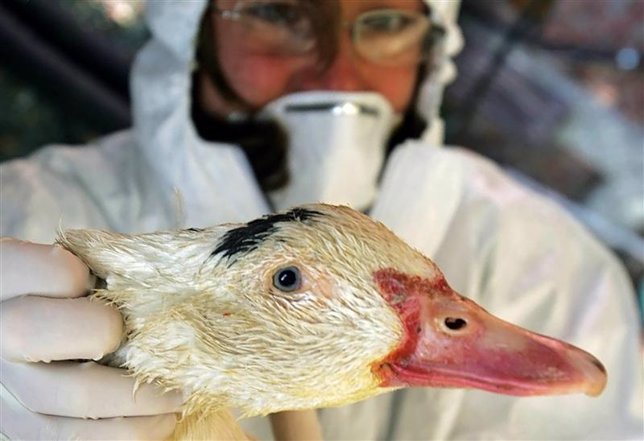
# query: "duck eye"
x,y
287,279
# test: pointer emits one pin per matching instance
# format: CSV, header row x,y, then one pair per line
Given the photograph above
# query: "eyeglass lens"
x,y
383,36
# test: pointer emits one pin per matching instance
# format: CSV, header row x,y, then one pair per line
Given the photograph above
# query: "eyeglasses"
x,y
384,36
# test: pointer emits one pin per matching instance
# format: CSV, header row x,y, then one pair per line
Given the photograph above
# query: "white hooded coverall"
x,y
515,253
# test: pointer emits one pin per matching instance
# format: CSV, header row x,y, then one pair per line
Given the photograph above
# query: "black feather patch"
x,y
247,238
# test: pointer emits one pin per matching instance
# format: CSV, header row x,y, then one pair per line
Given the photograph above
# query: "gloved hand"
x,y
44,317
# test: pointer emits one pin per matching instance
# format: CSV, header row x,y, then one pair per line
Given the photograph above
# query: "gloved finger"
x,y
48,270
85,390
19,423
36,328
158,427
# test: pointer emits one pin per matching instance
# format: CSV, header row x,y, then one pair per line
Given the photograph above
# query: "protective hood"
x,y
184,163
172,154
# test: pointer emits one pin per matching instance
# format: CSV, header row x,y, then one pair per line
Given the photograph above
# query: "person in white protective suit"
x,y
512,251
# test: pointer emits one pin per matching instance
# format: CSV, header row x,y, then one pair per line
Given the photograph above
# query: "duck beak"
x,y
452,342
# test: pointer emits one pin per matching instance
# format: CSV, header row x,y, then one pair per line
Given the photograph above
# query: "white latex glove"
x,y
44,317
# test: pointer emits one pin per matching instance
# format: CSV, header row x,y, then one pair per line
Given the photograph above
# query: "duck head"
x,y
317,306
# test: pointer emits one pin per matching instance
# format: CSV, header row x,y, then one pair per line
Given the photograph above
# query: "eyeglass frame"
x,y
434,36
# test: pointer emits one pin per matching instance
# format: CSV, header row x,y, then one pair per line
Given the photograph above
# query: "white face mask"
x,y
336,146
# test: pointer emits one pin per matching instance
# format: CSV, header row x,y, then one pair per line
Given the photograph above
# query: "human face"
x,y
259,78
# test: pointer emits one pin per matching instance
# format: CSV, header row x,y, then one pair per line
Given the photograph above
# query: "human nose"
x,y
344,73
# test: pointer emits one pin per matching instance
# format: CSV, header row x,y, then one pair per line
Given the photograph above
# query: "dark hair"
x,y
265,142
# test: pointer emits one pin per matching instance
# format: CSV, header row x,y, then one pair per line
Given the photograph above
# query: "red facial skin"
x,y
403,292
449,341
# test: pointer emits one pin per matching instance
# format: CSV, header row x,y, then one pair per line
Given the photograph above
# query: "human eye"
x,y
389,21
283,14
391,36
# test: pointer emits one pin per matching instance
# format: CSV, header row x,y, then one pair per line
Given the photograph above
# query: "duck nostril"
x,y
455,323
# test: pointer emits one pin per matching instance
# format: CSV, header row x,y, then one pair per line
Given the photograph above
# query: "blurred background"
x,y
553,90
